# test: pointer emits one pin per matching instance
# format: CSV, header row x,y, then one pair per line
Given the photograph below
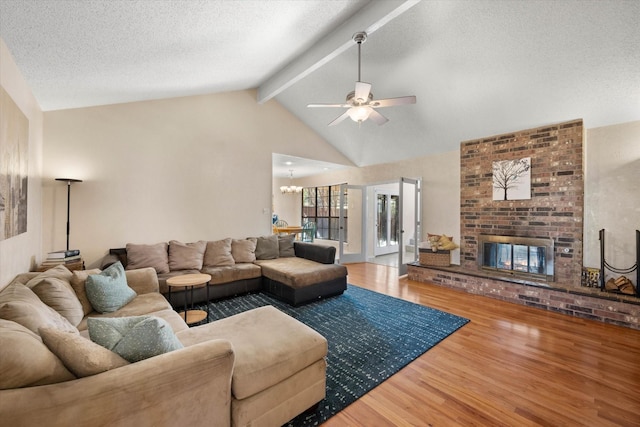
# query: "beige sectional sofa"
x,y
295,272
258,368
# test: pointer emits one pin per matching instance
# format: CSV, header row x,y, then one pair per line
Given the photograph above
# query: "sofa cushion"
x,y
79,355
218,253
141,256
25,361
285,245
269,347
19,304
24,277
267,247
300,272
227,274
59,295
134,338
140,305
59,272
78,282
243,250
186,256
142,280
175,320
108,291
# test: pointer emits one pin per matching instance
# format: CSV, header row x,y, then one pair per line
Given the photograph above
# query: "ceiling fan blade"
x,y
377,118
389,102
328,105
340,118
362,92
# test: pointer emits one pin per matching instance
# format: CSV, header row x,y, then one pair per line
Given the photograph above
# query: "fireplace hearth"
x,y
525,257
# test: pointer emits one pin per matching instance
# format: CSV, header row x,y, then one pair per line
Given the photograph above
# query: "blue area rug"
x,y
371,336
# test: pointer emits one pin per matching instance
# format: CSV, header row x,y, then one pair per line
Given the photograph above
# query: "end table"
x,y
188,282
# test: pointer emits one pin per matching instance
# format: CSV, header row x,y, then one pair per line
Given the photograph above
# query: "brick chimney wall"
x,y
556,207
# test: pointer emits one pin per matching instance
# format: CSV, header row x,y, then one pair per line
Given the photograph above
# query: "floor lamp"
x,y
69,181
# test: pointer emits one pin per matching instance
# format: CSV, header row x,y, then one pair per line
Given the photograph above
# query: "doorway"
x,y
383,223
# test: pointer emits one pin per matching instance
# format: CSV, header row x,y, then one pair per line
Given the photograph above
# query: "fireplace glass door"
x,y
513,257
522,256
536,259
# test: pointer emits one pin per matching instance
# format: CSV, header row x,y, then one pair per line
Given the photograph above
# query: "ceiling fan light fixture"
x,y
360,103
359,114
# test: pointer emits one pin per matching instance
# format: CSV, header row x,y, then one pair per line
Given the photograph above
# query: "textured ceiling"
x,y
78,53
477,68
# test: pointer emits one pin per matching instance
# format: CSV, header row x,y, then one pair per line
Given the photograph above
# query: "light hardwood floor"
x,y
510,366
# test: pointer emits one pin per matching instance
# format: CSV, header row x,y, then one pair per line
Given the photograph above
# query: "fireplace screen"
x,y
522,256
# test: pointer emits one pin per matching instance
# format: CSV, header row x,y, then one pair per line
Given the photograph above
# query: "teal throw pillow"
x,y
134,338
108,291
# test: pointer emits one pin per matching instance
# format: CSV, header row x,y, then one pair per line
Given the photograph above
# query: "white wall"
x,y
185,168
287,206
612,194
21,253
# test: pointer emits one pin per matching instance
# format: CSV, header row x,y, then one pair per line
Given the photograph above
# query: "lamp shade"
x,y
68,180
359,114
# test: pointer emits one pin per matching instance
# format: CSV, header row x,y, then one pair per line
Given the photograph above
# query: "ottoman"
x,y
298,280
280,367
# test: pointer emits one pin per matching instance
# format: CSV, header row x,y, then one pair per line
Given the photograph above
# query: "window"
x,y
322,205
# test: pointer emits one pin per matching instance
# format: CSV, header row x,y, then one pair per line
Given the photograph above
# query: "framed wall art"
x,y
14,167
512,179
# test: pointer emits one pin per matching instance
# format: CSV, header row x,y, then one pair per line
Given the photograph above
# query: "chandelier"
x,y
290,189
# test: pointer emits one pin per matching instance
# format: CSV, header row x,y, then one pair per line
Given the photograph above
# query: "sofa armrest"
x,y
317,253
108,260
184,387
114,255
143,280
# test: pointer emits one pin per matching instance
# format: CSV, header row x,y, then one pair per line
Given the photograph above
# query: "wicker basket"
x,y
436,259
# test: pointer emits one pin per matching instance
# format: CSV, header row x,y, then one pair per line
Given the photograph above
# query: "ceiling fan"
x,y
360,103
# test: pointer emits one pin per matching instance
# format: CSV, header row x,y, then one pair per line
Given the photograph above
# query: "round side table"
x,y
188,282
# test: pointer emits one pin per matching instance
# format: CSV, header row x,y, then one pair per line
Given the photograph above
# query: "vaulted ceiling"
x,y
477,68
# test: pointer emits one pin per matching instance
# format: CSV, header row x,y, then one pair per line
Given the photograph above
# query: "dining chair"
x,y
280,223
308,231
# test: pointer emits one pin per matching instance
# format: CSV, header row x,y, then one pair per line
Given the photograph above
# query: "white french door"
x,y
387,224
352,221
409,218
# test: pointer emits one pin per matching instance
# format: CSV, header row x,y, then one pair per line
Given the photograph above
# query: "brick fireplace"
x,y
555,209
554,212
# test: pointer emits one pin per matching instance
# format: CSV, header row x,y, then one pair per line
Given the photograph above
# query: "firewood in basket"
x,y
627,287
621,281
611,285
